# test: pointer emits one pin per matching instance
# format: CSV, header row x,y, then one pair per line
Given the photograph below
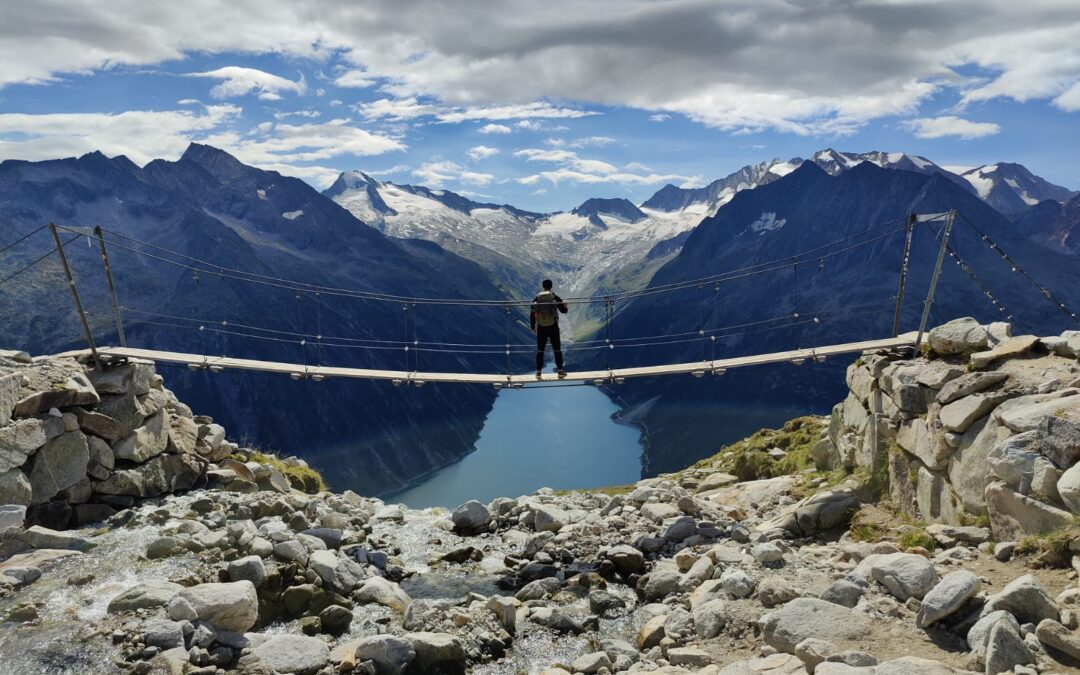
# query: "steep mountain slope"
x,y
1053,224
849,293
1011,188
210,206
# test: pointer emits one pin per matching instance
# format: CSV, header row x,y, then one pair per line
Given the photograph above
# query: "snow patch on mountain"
x,y
767,223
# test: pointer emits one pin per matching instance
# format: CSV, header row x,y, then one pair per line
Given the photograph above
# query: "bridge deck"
x,y
296,369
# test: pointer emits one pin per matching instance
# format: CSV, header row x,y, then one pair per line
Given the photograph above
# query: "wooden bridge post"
x,y
912,220
75,296
112,288
946,231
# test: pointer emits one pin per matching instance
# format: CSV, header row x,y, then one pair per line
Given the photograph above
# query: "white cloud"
x,y
141,135
239,81
659,117
949,125
396,109
737,65
576,169
437,174
309,114
292,143
480,152
354,79
494,129
636,166
397,168
592,141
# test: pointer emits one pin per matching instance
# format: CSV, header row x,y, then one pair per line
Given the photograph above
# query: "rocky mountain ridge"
x,y
699,571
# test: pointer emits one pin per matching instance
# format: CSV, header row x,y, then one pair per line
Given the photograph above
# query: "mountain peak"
x,y
621,208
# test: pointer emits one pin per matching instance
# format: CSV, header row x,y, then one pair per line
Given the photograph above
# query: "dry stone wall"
x,y
79,444
983,424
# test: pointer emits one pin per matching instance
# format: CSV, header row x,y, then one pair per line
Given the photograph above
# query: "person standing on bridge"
x,y
544,322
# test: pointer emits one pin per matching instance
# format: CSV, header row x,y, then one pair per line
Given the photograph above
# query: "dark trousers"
x,y
543,334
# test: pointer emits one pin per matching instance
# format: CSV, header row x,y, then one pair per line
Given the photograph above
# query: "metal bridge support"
x,y
75,296
112,288
912,220
946,231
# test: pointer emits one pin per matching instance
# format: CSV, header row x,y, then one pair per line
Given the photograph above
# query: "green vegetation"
x,y
749,459
1056,543
300,477
610,490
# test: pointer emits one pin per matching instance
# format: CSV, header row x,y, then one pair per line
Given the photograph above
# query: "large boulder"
x,y
232,606
1029,412
436,654
968,384
297,654
906,575
969,468
18,441
10,384
1014,515
383,592
156,476
1005,649
15,488
470,517
389,653
1009,348
149,440
958,336
948,596
820,512
147,595
58,465
1025,598
804,618
53,383
1059,436
133,377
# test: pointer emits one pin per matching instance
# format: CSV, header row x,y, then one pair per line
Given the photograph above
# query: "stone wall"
x,y
981,424
78,444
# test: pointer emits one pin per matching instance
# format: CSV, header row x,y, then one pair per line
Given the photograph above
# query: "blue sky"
x,y
544,106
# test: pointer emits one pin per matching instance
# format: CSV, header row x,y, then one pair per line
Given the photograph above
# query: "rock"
x,y
1026,413
147,595
15,488
603,603
164,547
969,470
906,575
651,633
56,383
627,559
843,592
43,537
249,568
979,634
58,465
686,656
163,634
813,652
436,653
12,517
291,551
715,481
1024,597
1059,436
149,440
948,596
9,396
710,618
913,665
1005,649
383,592
775,590
293,654
1068,487
1013,515
593,663
658,512
548,518
737,583
470,517
960,414
1013,460
18,441
1056,636
958,336
1010,348
968,384
678,529
803,618
335,619
823,511
658,584
230,606
391,654
767,552
1004,550
161,474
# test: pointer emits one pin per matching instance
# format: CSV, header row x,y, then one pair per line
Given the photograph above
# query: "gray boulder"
x,y
804,618
472,516
144,596
383,592
297,654
906,575
15,488
163,634
1056,636
55,383
979,634
1005,650
249,568
436,653
230,606
58,465
1025,598
390,654
820,512
958,336
18,441
1014,516
948,596
149,440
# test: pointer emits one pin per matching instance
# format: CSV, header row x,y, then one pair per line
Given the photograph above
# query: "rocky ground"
x,y
703,571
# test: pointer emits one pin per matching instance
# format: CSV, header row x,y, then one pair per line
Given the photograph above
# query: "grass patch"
x,y
300,477
749,459
610,490
1056,542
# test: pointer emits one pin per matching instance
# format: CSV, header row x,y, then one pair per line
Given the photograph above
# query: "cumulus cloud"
x,y
141,135
437,174
575,169
949,125
592,142
494,129
354,79
798,66
281,143
412,108
397,168
659,117
479,152
239,81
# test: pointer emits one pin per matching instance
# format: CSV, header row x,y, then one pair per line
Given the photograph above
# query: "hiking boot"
x,y
561,373
539,375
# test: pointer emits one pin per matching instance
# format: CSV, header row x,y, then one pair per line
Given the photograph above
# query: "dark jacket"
x,y
560,305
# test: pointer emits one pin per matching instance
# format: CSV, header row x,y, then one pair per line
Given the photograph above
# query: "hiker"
x,y
544,322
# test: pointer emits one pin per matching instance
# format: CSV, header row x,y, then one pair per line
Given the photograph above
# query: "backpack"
x,y
546,311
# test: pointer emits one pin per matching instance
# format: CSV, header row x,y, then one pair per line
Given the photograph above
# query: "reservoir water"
x,y
559,436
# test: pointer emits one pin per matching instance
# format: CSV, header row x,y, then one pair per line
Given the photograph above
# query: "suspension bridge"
x,y
705,333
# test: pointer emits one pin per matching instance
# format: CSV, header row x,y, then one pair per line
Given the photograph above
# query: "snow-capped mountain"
x,y
608,243
1011,188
